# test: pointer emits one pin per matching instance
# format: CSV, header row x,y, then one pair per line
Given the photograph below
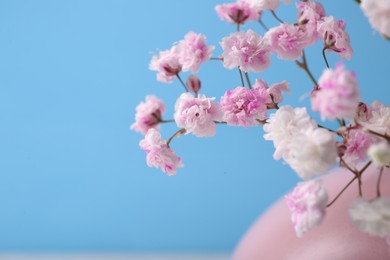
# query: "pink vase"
x,y
272,236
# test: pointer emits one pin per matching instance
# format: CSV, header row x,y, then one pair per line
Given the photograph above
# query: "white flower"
x,y
371,217
307,203
312,152
380,153
378,13
283,126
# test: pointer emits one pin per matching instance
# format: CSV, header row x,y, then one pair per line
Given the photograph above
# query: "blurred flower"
x,y
371,217
338,94
307,203
148,114
380,153
378,13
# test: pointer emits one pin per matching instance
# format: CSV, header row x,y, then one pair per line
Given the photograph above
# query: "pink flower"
x,y
287,41
274,93
166,64
262,5
245,50
378,118
237,13
338,95
193,51
307,203
310,12
158,154
148,114
378,13
357,144
335,37
243,106
197,115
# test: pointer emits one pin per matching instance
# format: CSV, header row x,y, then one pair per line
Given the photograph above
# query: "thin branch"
x,y
303,65
276,17
341,192
242,79
378,183
248,80
263,25
167,121
324,55
176,134
182,82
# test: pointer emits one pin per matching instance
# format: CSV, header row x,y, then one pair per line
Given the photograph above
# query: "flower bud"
x,y
193,83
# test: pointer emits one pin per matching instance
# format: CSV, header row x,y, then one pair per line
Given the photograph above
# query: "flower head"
x,y
357,144
245,50
378,13
243,106
380,153
193,51
158,154
335,37
166,64
372,217
273,94
377,118
307,203
310,12
338,94
287,41
238,12
197,114
148,114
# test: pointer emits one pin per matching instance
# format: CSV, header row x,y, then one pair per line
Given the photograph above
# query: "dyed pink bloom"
x,y
242,106
310,12
357,144
158,154
335,37
378,119
338,94
193,51
307,203
274,93
378,13
287,41
197,115
148,114
245,50
237,13
262,5
166,64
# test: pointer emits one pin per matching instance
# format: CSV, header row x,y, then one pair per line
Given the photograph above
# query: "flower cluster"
x,y
309,148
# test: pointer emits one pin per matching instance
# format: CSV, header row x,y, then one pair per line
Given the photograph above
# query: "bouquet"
x,y
311,148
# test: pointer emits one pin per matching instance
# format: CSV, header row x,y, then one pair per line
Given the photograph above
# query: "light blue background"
x,y
72,177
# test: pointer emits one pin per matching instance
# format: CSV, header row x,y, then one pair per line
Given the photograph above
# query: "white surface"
x,y
114,256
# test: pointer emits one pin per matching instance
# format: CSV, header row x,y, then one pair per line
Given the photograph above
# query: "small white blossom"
x,y
380,153
371,217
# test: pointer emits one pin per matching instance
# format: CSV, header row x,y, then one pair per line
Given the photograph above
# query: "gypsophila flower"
x,y
197,115
166,64
237,13
338,95
283,126
158,154
193,51
242,107
335,37
307,203
312,151
262,5
273,94
148,114
378,118
372,217
380,153
378,13
357,144
287,41
245,50
310,12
